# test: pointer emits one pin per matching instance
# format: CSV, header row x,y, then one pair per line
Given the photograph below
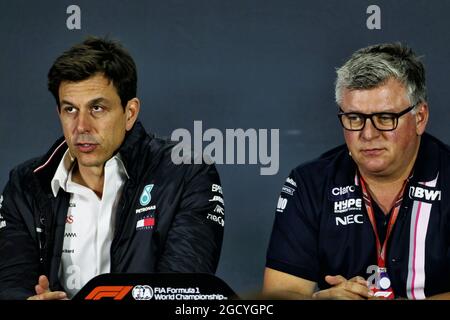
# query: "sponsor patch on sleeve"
x,y
291,182
218,212
217,199
288,190
2,220
216,188
216,218
281,205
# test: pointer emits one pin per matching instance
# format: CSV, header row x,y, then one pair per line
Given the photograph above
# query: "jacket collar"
x,y
131,149
426,167
47,165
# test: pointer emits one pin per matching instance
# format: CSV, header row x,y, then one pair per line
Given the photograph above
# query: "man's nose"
x,y
83,121
369,131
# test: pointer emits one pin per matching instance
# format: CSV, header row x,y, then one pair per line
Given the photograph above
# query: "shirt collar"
x,y
63,172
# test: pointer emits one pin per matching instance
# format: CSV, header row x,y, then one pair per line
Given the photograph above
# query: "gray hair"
x,y
372,66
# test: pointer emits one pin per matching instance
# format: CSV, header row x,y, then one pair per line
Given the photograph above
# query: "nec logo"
x,y
421,194
350,219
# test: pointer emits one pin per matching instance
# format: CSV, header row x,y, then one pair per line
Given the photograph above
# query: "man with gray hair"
x,y
368,219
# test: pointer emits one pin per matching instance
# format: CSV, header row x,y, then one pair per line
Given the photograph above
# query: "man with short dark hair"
x,y
369,218
106,197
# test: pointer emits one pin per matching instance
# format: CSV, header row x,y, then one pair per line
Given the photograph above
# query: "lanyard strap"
x,y
381,248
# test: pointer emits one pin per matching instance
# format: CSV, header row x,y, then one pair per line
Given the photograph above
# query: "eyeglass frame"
x,y
370,116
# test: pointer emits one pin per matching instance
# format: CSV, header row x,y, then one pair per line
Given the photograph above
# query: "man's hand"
x,y
43,291
354,289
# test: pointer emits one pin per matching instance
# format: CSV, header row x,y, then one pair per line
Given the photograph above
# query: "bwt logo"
x,y
142,292
115,292
419,193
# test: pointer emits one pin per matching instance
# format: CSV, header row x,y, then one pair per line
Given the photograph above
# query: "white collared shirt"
x,y
90,223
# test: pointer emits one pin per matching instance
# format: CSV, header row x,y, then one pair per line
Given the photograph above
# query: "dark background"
x,y
232,64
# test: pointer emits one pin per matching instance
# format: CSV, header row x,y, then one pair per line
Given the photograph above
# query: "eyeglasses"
x,y
382,121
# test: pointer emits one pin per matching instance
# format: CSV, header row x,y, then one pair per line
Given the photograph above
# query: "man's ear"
x,y
132,110
422,115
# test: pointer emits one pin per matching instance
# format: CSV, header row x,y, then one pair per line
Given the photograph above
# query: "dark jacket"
x,y
184,238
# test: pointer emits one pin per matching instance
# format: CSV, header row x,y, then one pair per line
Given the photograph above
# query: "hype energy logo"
x,y
146,197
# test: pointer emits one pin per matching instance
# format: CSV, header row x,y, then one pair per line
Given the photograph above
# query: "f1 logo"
x,y
116,292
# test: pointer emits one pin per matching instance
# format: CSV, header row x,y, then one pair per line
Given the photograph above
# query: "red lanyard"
x,y
381,249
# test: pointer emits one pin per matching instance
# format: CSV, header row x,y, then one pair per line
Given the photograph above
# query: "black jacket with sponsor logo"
x,y
186,236
322,227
